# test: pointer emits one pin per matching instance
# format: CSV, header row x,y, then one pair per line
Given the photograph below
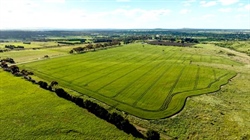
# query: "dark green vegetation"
x,y
222,114
144,80
128,35
33,113
241,46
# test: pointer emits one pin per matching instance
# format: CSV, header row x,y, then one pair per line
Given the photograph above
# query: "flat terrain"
x,y
25,56
34,113
240,46
220,115
147,81
31,45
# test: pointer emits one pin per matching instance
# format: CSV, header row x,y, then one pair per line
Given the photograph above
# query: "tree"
x,y
90,46
153,135
172,39
53,83
14,69
43,84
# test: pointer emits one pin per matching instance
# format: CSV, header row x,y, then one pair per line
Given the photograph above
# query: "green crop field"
x,y
35,55
31,45
240,46
147,81
34,113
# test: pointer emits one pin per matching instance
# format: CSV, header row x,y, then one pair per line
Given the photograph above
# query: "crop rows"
x,y
136,79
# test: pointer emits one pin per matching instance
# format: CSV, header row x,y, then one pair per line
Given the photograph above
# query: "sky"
x,y
124,14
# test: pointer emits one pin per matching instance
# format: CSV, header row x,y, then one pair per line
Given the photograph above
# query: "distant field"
x,y
35,55
32,45
29,112
150,82
241,46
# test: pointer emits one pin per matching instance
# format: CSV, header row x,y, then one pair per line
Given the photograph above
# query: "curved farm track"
x,y
144,100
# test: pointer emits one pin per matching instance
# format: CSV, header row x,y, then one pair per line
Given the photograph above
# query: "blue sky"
x,y
125,14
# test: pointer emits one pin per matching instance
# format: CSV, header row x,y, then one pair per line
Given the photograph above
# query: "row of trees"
x,y
119,121
14,47
10,60
91,46
15,70
164,43
114,118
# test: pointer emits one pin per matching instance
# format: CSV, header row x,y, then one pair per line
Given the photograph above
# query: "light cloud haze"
x,y
86,14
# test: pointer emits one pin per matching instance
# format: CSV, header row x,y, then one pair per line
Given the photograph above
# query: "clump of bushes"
x,y
14,47
231,54
114,118
119,121
10,60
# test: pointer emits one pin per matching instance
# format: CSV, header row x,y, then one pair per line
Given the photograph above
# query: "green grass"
x,y
144,81
29,112
35,55
32,45
240,46
221,115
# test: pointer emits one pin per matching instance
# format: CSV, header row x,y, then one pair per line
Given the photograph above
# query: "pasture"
x,y
32,44
35,55
240,46
34,113
147,81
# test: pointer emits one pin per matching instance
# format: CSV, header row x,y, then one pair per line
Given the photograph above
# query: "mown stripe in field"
x,y
187,80
126,74
126,66
214,74
100,67
197,78
123,103
102,74
149,88
178,104
137,78
210,84
168,98
96,66
103,56
153,98
142,84
75,59
92,64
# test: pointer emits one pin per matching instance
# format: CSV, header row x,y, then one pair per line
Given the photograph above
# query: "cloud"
x,y
245,8
188,2
122,0
241,15
208,4
54,1
139,13
207,16
228,2
240,4
184,11
225,10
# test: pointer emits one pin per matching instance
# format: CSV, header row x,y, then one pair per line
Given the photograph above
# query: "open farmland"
x,y
240,46
30,45
25,56
34,113
147,81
